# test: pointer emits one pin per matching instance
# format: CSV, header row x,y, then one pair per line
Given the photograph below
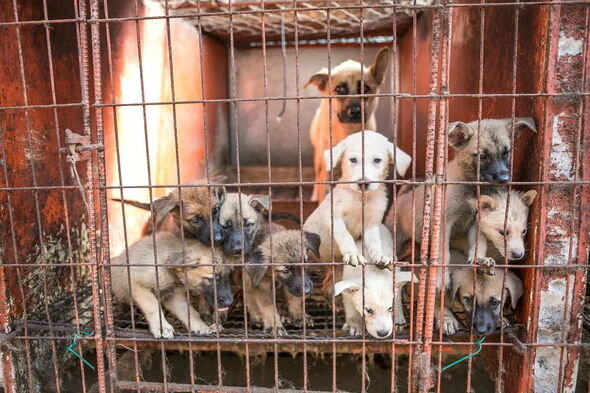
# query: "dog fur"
x,y
345,117
494,157
378,292
349,198
282,249
485,293
197,275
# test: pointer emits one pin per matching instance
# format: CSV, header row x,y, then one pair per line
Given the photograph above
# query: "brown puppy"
x,y
488,298
200,210
141,283
494,160
282,249
345,116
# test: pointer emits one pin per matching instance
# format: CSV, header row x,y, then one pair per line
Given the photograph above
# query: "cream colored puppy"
x,y
364,171
378,292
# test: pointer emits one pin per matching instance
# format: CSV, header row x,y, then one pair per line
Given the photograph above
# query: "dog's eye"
x,y
494,303
468,300
248,224
483,156
366,90
501,232
353,160
215,210
506,154
341,89
285,270
227,225
209,279
197,219
369,310
377,160
524,231
390,309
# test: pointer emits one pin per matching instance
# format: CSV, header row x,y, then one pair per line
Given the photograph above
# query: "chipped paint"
x,y
562,162
569,46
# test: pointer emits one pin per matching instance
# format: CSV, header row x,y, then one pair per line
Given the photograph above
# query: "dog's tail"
x,y
139,205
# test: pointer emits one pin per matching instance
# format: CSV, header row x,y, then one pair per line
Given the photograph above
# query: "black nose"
x,y
236,248
224,300
516,255
308,287
363,186
484,328
503,177
354,110
218,237
382,333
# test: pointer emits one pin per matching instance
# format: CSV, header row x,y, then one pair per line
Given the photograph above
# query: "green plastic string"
x,y
478,350
73,344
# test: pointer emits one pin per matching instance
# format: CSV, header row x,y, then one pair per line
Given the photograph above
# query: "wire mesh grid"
x,y
61,232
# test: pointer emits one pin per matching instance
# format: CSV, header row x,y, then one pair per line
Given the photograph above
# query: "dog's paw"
x,y
505,322
297,321
400,326
353,329
383,260
202,329
167,331
279,330
450,325
353,259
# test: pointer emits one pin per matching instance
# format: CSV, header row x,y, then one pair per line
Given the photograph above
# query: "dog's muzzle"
x,y
352,113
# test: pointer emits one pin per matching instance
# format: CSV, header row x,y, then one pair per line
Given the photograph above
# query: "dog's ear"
x,y
319,79
379,68
486,203
514,288
260,202
256,269
529,197
220,193
458,279
312,242
346,285
163,206
459,134
402,159
337,152
521,124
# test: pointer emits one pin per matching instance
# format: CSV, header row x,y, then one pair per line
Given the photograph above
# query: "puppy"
x,y
349,199
345,116
378,293
485,294
282,251
197,274
200,211
506,232
494,160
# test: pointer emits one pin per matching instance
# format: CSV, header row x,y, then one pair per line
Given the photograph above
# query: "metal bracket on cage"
x,y
78,146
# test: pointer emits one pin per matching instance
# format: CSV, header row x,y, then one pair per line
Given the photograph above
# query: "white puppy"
x,y
378,295
365,171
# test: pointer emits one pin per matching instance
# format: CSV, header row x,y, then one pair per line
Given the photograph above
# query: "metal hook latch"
x,y
79,146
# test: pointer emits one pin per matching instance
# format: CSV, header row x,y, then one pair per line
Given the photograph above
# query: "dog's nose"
x,y
218,237
515,255
308,287
502,177
354,110
382,333
483,328
362,185
224,300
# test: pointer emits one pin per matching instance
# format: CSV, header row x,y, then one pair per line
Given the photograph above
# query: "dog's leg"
x,y
254,313
271,320
178,304
480,258
398,310
150,306
375,247
346,244
450,324
295,309
353,320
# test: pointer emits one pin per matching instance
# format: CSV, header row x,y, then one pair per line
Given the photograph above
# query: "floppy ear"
x,y
337,152
163,206
514,287
319,79
346,285
529,197
521,124
312,242
402,159
379,68
220,193
487,203
457,280
178,258
256,269
260,202
459,134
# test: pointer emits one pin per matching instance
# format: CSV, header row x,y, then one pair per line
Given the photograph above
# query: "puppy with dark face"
x,y
485,295
197,213
242,223
280,254
344,114
196,274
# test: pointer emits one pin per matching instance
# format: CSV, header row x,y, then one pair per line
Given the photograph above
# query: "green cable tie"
x,y
73,344
478,343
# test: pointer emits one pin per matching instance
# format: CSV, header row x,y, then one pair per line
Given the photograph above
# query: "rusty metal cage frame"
x,y
423,343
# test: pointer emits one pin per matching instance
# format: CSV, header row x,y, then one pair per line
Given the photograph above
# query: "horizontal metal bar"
x,y
181,387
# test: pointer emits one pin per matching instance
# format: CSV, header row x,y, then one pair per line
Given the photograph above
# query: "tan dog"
x,y
343,114
365,173
283,251
494,158
485,294
198,275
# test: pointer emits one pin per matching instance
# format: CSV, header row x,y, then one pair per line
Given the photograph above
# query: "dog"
x,y
485,294
381,309
343,116
282,250
506,232
349,199
494,152
196,273
199,217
